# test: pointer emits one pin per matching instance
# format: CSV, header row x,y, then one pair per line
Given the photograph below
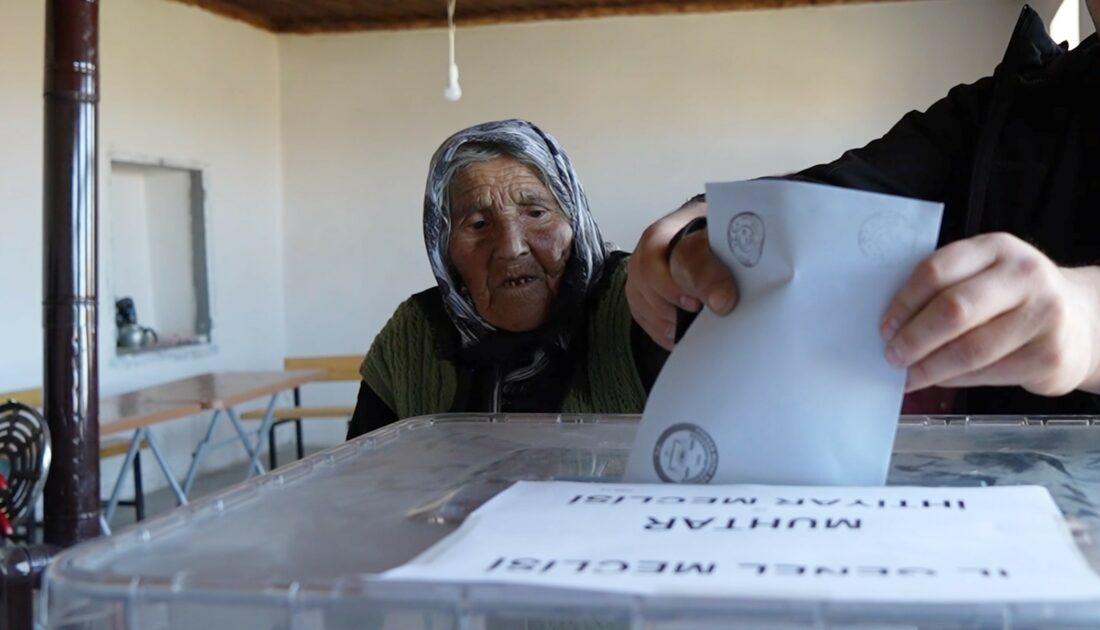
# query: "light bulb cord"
x,y
453,92
451,28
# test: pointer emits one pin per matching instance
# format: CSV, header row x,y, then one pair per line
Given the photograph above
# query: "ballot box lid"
x,y
301,547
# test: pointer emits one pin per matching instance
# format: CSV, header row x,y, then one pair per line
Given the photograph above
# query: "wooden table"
x,y
218,393
126,412
221,390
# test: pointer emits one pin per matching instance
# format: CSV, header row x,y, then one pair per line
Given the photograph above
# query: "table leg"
x,y
127,462
154,446
200,453
253,453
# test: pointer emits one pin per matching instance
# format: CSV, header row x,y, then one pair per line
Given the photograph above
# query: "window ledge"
x,y
145,356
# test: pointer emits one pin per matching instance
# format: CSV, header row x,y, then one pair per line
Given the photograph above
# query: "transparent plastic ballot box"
x,y
300,547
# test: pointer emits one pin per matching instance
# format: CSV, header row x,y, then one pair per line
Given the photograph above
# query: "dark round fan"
x,y
24,462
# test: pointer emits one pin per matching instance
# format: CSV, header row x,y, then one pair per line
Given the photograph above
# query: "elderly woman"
x,y
529,314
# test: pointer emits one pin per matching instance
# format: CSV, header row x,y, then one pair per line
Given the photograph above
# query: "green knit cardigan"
x,y
403,369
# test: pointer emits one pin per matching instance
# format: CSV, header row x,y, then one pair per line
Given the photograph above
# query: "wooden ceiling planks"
x,y
327,16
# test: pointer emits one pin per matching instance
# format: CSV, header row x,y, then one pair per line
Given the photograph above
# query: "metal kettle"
x,y
135,336
130,333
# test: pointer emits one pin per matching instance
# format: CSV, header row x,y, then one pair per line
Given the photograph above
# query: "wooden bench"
x,y
109,446
335,368
29,397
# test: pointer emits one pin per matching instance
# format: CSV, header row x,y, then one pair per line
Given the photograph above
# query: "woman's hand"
x,y
692,275
993,310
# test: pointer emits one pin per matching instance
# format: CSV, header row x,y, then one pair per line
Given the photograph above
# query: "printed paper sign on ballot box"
x,y
889,544
792,387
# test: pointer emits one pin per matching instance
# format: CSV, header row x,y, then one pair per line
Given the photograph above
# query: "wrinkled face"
x,y
510,242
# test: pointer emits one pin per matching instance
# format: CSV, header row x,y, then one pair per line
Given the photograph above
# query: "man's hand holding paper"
x,y
988,310
993,310
792,387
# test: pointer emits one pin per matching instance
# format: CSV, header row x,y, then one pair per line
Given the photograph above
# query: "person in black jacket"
x,y
1011,299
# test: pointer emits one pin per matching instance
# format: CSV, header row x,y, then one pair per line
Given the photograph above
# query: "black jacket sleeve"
x,y
927,155
649,357
370,413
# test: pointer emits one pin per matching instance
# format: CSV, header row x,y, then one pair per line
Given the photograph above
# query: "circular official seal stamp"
x,y
685,453
746,238
887,238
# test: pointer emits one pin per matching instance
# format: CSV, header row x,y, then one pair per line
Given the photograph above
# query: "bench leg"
x,y
139,491
272,457
298,421
298,433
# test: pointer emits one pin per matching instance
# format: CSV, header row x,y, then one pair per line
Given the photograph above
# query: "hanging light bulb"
x,y
452,92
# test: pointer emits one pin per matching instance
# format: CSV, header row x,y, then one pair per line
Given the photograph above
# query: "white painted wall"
x,y
178,84
21,49
1071,22
151,248
649,108
168,202
128,240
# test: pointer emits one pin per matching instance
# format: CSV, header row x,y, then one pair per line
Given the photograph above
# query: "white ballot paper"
x,y
881,544
792,387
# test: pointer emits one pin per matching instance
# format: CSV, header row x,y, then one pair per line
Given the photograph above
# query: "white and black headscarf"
x,y
529,144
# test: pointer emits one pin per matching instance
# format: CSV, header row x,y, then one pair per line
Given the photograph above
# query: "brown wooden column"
x,y
69,227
